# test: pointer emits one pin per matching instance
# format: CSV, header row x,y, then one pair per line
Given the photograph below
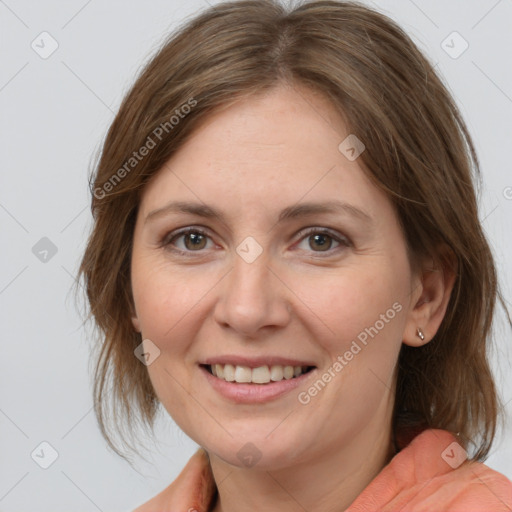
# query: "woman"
x,y
287,256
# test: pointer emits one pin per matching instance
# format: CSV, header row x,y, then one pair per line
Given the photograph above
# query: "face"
x,y
263,254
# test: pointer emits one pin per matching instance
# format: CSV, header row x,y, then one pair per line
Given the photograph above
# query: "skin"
x,y
251,161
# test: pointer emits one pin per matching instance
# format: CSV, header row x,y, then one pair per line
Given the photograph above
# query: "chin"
x,y
256,451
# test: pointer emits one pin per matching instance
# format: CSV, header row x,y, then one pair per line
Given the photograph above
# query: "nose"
x,y
252,297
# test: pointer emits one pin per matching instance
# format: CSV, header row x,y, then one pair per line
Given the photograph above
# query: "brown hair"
x,y
418,150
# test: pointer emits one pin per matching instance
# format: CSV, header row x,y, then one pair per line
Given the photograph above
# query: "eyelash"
x,y
344,242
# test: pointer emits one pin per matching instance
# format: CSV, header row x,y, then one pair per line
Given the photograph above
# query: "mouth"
x,y
262,375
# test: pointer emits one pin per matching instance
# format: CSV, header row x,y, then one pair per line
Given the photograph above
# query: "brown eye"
x,y
187,241
322,242
194,241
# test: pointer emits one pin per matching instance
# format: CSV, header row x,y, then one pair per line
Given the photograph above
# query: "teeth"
x,y
229,372
219,370
276,373
243,374
288,372
260,375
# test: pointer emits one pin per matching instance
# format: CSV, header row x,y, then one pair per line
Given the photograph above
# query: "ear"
x,y
433,286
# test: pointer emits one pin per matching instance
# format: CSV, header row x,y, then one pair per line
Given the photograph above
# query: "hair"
x,y
418,151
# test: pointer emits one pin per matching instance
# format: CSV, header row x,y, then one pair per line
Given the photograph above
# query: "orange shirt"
x,y
427,475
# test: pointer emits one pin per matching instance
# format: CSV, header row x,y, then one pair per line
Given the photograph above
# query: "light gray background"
x,y
54,114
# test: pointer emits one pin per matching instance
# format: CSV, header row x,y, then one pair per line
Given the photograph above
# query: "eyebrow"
x,y
291,212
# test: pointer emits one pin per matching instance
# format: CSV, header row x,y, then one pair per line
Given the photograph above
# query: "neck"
x,y
329,482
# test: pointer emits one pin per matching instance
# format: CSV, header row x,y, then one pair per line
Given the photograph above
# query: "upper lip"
x,y
255,362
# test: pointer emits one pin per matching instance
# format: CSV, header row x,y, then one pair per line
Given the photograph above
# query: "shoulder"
x,y
482,487
432,473
473,486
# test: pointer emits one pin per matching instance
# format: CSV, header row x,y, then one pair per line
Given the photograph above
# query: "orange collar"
x,y
426,475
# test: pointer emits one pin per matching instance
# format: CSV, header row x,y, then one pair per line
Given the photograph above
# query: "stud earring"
x,y
420,334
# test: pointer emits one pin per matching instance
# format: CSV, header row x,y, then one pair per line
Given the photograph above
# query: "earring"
x,y
420,334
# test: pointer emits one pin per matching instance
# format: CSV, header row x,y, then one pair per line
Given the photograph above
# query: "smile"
x,y
258,383
261,375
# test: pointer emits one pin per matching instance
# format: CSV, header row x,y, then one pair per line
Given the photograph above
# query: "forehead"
x,y
262,152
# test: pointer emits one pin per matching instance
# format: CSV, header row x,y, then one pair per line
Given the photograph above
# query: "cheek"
x,y
359,304
167,300
166,303
153,298
366,315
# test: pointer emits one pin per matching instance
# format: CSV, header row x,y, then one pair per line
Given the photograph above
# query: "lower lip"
x,y
254,393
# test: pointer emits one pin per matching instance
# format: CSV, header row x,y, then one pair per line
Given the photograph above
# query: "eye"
x,y
322,239
194,240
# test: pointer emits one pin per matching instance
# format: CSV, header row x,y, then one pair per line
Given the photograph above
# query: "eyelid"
x,y
176,234
183,231
324,230
343,240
